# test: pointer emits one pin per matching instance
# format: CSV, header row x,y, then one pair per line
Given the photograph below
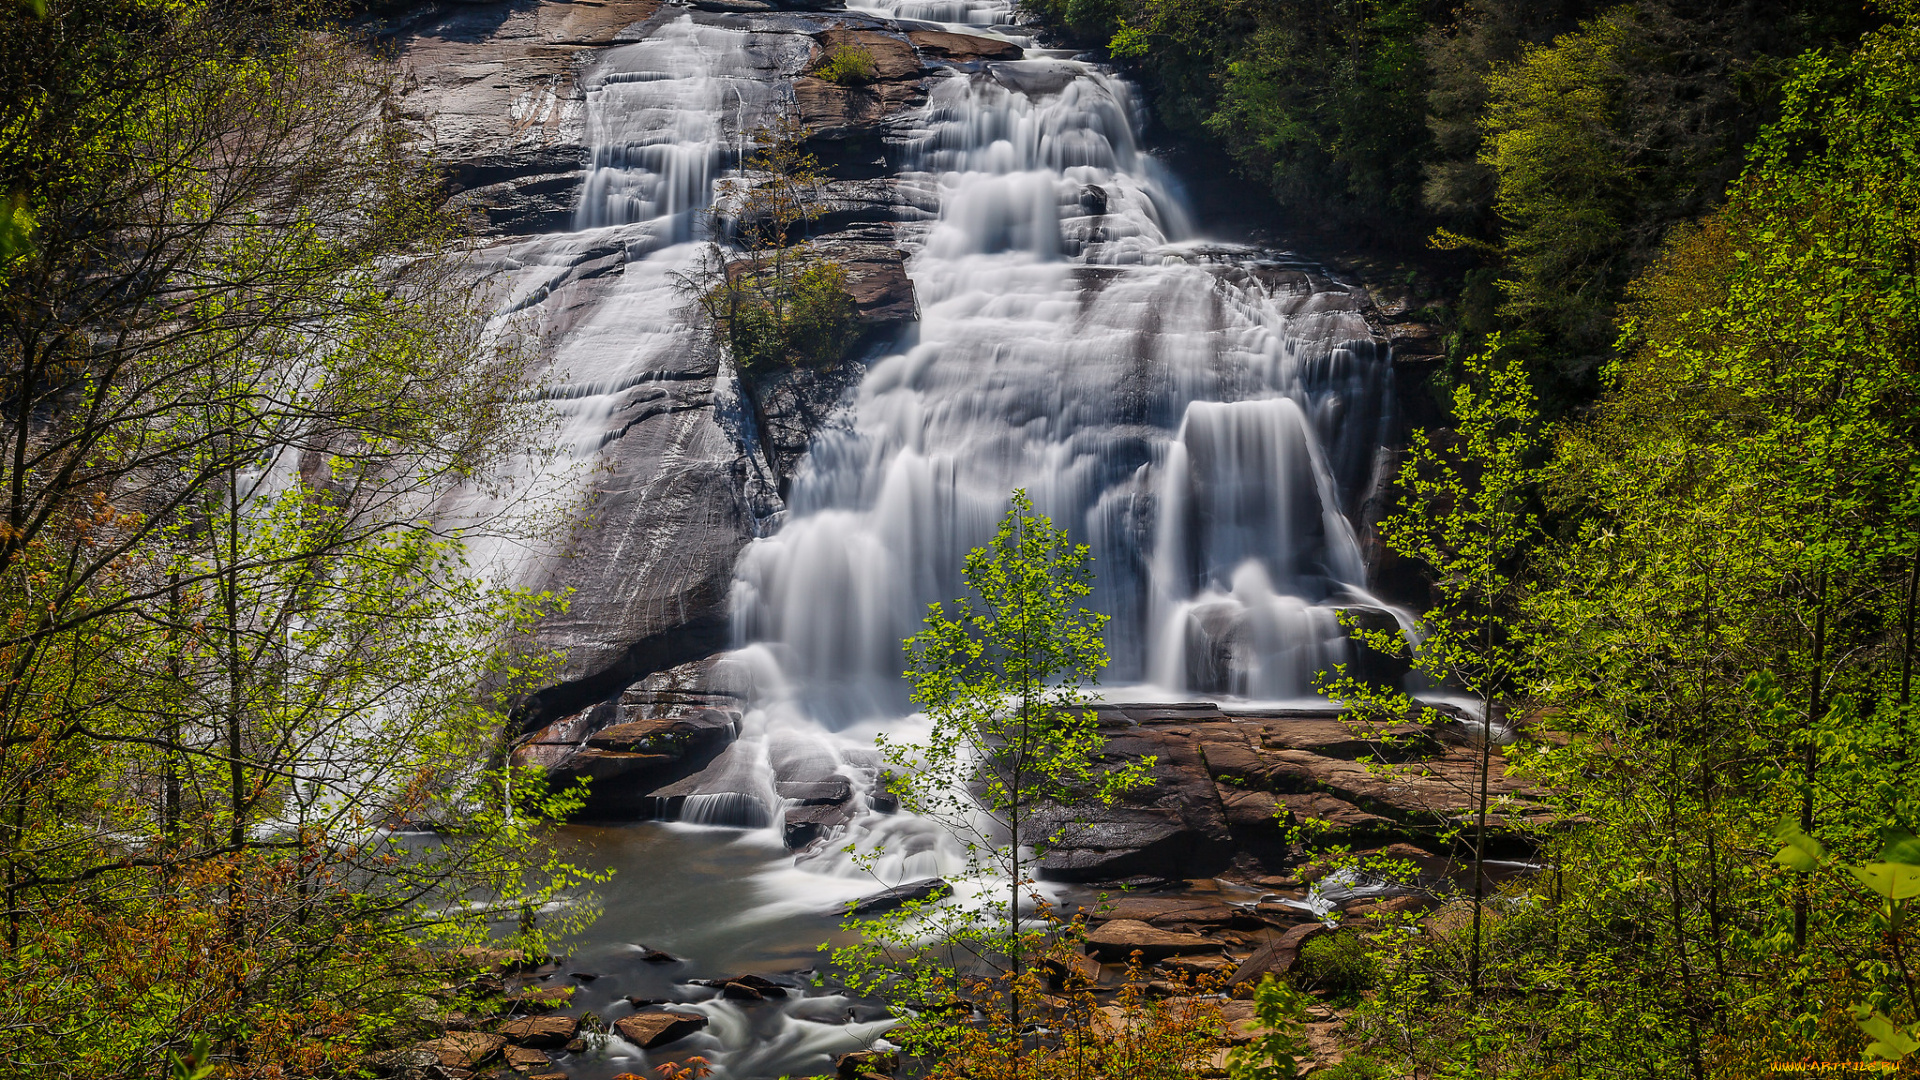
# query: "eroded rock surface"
x,y
1224,784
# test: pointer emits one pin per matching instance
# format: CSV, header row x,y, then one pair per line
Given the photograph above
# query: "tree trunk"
x,y
1809,755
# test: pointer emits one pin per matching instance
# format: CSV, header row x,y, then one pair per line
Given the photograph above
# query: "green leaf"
x,y
1802,852
1890,1043
1895,881
1899,845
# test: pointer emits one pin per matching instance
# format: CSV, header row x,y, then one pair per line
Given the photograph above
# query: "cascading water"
x,y
1204,431
1189,410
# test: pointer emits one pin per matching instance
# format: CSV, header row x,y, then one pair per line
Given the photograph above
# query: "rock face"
x,y
637,744
502,93
494,91
1224,783
834,111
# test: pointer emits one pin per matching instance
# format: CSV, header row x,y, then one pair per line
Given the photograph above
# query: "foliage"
x,y
1549,145
848,65
778,304
808,320
1273,1053
1718,625
1066,1032
1465,512
1339,965
238,654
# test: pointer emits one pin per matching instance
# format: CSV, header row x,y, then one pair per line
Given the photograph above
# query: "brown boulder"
x,y
655,1029
892,58
463,1049
963,47
546,1032
522,1060
1121,938
1276,957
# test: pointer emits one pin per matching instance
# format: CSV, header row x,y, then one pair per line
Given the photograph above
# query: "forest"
x,y
260,810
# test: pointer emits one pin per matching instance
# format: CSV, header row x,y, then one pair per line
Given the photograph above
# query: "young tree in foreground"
x,y
1004,676
1465,513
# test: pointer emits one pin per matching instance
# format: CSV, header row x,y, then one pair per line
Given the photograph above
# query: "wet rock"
x,y
805,824
650,1030
1276,957
634,747
541,1032
962,48
676,737
884,802
1115,941
463,1049
657,956
889,899
1034,78
815,792
522,1060
745,987
863,1062
765,7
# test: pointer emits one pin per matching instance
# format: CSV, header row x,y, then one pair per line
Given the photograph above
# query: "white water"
x,y
1203,421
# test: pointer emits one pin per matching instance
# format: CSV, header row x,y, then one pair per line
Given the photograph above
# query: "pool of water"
x,y
725,902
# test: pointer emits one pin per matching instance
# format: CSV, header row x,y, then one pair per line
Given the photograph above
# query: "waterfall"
x,y
1174,404
1201,415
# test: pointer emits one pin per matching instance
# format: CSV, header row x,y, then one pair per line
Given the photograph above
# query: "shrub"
x,y
806,318
1338,965
848,65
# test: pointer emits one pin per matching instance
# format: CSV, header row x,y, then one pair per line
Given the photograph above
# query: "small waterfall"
x,y
666,115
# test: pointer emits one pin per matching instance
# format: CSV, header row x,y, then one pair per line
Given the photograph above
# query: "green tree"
x,y
237,647
779,304
1004,676
1466,512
